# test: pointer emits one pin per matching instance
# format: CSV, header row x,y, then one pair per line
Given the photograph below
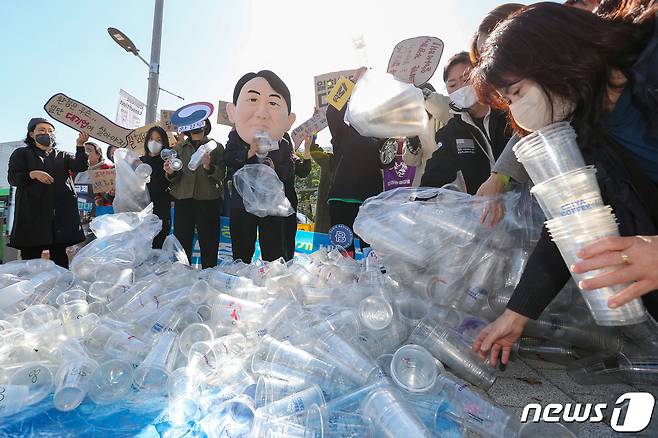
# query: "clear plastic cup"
x,y
193,333
153,373
451,349
122,345
37,377
338,423
12,399
411,310
392,415
269,390
414,369
111,381
601,368
294,403
73,310
184,389
569,193
348,359
377,342
375,313
16,292
283,353
232,418
207,356
72,382
639,368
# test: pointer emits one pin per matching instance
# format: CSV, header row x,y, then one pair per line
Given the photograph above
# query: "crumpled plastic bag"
x,y
381,106
262,191
110,224
130,186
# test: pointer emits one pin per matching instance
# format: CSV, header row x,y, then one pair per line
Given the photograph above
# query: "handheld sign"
x,y
222,114
312,126
192,116
324,84
341,92
102,180
137,138
84,119
415,60
165,120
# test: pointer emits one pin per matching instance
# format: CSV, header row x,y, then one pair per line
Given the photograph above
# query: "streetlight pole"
x,y
154,66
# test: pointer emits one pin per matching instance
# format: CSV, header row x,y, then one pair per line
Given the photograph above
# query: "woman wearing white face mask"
x,y
551,63
156,140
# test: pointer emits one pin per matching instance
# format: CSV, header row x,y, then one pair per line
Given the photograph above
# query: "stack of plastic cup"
x,y
570,197
455,353
414,369
570,233
549,152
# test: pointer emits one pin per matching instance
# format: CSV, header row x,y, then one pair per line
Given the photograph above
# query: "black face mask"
x,y
195,143
45,140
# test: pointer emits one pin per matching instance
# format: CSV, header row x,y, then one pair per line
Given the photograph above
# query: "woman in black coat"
x,y
46,215
156,140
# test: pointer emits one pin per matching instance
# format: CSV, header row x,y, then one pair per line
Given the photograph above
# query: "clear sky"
x,y
53,46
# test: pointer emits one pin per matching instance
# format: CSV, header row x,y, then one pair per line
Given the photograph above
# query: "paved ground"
x,y
535,381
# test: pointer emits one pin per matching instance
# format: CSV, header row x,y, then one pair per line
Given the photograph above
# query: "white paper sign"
x,y
130,111
415,60
222,114
313,125
324,83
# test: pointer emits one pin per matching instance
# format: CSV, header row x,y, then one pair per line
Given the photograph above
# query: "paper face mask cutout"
x,y
260,108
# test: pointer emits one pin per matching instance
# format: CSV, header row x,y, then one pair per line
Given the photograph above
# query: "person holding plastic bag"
x,y
600,78
46,215
155,141
197,194
260,110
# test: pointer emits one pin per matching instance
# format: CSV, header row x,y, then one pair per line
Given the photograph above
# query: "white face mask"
x,y
154,146
464,97
533,110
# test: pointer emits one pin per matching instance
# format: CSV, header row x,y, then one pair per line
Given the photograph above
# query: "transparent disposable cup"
x,y
282,372
375,312
36,316
111,381
286,354
16,292
69,296
37,377
640,368
153,373
184,389
451,349
13,399
200,292
377,342
122,345
414,369
269,390
569,193
187,316
392,415
72,382
333,423
193,333
601,368
294,403
207,356
73,310
348,359
229,309
411,310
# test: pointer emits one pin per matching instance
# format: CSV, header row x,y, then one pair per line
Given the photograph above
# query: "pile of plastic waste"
x,y
322,346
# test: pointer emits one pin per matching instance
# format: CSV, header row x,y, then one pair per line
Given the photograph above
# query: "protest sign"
x,y
130,111
192,116
415,60
86,205
103,180
324,84
165,120
135,141
339,95
222,114
312,126
84,119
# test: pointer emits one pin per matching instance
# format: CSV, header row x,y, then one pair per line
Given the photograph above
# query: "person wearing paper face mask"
x,y
197,194
46,215
472,140
261,108
598,74
156,139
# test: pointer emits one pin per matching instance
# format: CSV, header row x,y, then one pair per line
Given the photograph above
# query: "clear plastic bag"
x,y
262,191
131,178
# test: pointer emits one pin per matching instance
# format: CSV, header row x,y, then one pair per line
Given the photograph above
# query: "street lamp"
x,y
154,66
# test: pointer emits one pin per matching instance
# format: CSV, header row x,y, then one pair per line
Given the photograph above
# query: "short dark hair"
x,y
107,151
459,58
96,147
489,23
163,135
275,82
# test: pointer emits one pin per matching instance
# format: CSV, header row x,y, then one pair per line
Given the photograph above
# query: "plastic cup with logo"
x,y
375,312
207,356
392,415
122,345
414,369
294,403
451,349
193,333
111,381
73,376
35,376
269,390
283,353
154,371
569,193
345,356
332,423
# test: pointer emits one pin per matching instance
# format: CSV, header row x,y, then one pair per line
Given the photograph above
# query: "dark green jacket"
x,y
202,184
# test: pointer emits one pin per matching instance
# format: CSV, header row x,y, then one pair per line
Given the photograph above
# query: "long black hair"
x,y
163,135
